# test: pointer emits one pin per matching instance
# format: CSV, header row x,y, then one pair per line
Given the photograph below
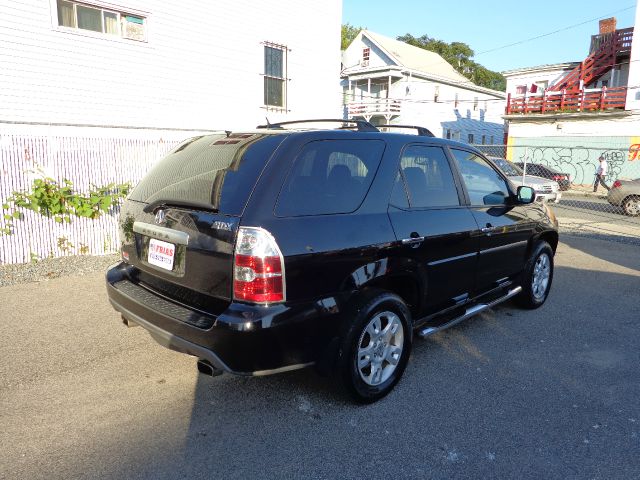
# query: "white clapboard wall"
x,y
84,161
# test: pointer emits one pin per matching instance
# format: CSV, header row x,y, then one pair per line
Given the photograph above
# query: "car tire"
x,y
537,277
631,206
375,347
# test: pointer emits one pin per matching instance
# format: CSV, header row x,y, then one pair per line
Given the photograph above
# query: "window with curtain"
x,y
275,76
94,18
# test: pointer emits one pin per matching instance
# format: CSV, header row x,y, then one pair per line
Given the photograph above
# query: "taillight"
x,y
258,270
616,184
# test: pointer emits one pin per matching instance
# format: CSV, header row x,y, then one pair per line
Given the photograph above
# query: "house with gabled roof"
x,y
386,81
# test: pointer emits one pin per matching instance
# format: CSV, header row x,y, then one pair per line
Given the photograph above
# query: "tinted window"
x,y
484,184
399,193
507,167
330,176
531,169
213,171
428,177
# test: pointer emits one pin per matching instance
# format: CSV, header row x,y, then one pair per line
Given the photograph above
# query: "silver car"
x,y
626,194
546,190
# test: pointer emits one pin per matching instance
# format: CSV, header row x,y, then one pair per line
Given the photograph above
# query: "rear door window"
x,y
330,176
428,177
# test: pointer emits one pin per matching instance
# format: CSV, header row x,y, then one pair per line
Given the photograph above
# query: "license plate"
x,y
161,254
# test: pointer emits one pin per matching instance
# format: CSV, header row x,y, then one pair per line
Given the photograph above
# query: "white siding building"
x,y
188,65
387,81
96,92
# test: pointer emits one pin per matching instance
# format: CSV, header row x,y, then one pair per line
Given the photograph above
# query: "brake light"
x,y
558,177
616,184
258,270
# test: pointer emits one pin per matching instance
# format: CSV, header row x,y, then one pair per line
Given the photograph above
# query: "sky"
x,y
488,26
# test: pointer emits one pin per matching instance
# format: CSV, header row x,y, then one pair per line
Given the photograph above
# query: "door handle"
x,y
413,240
488,229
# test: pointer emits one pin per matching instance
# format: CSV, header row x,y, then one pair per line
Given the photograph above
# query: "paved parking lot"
x,y
551,393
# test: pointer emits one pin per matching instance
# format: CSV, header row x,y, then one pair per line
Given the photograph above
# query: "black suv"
x,y
276,249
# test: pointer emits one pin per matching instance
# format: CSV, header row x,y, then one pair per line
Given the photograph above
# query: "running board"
x,y
425,332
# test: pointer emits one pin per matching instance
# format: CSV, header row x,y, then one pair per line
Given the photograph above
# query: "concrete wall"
x,y
575,147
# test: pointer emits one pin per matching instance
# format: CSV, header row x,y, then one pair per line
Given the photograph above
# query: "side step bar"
x,y
425,332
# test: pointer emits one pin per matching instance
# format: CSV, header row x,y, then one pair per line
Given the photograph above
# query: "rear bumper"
x,y
244,339
615,196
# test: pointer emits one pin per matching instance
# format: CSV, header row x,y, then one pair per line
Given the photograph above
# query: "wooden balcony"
x,y
368,108
586,100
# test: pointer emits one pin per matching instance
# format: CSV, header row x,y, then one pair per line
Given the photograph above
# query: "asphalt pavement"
x,y
551,393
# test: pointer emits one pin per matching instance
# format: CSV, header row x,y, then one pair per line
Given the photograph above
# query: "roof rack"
x,y
361,125
422,131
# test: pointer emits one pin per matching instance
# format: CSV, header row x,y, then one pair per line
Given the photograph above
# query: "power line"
x,y
554,32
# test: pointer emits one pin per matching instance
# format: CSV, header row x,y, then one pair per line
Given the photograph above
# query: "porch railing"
x,y
382,106
586,100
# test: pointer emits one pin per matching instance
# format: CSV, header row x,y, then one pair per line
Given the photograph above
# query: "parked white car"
x,y
546,190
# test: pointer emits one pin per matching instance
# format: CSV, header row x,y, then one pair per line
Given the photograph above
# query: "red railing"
x,y
605,51
567,102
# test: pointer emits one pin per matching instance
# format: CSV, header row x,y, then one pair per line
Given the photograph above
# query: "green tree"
x,y
349,32
460,56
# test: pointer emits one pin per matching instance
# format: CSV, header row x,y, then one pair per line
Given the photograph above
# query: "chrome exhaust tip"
x,y
128,323
206,368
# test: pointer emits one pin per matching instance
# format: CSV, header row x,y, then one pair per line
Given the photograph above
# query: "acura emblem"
x,y
160,216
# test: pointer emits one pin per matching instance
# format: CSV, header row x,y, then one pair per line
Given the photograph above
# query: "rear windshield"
x,y
330,176
214,171
507,167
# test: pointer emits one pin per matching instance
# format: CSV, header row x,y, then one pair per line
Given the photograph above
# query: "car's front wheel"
x,y
537,276
376,348
631,206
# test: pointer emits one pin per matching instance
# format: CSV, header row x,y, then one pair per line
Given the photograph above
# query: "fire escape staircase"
x,y
606,52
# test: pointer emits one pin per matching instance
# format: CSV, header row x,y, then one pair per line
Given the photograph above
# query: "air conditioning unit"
x,y
133,28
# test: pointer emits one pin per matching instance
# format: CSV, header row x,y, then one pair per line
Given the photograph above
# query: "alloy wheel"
x,y
380,348
632,206
541,275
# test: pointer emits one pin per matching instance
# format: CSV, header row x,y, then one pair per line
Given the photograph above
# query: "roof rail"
x,y
422,131
361,125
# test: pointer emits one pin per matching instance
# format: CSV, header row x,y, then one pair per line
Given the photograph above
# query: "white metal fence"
x,y
87,161
580,208
83,161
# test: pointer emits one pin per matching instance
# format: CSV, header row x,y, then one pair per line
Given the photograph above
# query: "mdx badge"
x,y
160,216
221,226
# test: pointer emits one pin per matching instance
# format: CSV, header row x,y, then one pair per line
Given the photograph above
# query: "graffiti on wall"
x,y
579,162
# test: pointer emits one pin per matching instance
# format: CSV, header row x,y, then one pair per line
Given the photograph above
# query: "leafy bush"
x,y
61,202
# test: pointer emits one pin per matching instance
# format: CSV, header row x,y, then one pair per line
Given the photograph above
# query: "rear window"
x,y
330,176
212,171
507,167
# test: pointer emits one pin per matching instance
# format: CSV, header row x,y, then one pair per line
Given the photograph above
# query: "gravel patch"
x,y
54,267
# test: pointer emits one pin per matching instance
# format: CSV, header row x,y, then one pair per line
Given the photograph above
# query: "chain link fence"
x,y
612,211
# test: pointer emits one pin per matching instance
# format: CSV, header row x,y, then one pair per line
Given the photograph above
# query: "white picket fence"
x,y
83,161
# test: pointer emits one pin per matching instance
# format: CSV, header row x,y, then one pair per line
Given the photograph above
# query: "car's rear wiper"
x,y
180,204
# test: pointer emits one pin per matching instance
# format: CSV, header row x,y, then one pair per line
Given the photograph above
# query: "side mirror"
x,y
526,195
